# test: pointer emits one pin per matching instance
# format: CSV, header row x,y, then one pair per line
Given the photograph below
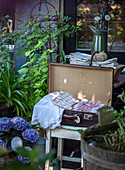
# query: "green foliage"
x,y
35,159
110,136
5,50
10,93
116,139
38,41
122,96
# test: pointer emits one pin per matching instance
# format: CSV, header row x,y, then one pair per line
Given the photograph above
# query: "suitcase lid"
x,y
92,83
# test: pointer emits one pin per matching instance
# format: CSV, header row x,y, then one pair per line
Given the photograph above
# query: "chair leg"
x,y
60,150
48,147
81,156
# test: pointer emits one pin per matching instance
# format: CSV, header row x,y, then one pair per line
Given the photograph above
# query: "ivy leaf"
x,y
45,70
23,70
27,53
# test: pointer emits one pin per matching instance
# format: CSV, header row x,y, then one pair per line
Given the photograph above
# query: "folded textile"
x,y
65,100
83,59
79,56
107,63
46,113
88,106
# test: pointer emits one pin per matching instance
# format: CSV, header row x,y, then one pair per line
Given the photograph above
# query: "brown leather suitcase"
x,y
80,119
93,83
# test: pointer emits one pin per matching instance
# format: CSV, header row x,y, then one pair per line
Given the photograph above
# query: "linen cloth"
x,y
83,59
46,113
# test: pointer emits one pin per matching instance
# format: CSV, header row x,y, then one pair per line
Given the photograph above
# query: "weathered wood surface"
x,y
95,158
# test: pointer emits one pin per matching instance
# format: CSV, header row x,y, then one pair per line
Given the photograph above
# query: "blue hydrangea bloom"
x,y
23,159
5,124
20,124
30,135
2,144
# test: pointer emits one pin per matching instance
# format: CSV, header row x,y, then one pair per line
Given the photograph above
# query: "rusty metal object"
x,y
40,5
42,2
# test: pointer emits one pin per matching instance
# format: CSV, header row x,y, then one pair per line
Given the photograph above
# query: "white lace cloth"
x,y
46,113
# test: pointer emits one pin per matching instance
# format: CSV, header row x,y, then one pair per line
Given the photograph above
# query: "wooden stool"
x,y
62,132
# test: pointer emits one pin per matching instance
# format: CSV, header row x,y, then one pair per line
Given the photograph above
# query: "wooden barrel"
x,y
95,158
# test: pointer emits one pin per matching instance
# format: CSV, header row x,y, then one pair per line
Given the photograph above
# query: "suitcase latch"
x,y
77,120
88,117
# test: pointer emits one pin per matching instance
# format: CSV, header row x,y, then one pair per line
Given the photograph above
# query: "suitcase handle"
x,y
76,118
73,117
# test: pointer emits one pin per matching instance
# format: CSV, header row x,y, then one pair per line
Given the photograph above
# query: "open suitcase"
x,y
92,83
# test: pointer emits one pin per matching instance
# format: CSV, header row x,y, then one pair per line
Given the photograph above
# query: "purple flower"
x,y
23,159
30,135
2,144
19,123
105,6
54,18
27,32
15,31
98,7
40,19
5,124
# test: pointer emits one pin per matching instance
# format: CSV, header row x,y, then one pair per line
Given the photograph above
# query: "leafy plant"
x,y
17,127
6,50
122,96
110,136
34,156
26,150
116,139
38,40
10,93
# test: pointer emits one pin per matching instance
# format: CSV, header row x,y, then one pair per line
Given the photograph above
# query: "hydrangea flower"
x,y
23,159
20,124
5,124
30,135
2,144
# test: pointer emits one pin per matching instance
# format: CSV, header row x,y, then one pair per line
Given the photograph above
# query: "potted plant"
x,y
13,100
103,147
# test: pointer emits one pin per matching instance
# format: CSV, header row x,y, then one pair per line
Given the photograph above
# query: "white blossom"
x,y
107,17
97,18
